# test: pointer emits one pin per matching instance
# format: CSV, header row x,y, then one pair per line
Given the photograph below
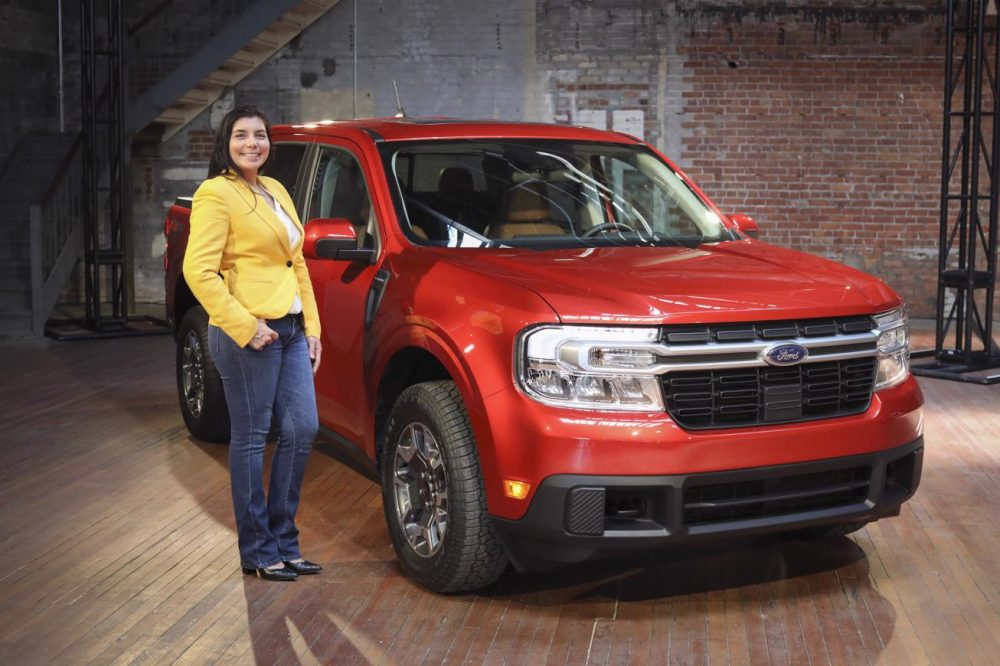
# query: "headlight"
x,y
590,367
893,348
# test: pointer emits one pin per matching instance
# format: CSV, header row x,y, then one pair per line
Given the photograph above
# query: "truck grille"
x,y
728,390
757,396
778,496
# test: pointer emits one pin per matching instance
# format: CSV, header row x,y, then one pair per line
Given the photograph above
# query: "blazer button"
x,y
288,263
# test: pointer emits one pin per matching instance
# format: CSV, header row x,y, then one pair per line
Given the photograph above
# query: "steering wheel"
x,y
606,226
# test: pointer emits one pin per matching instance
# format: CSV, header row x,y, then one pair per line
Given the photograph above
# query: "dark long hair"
x,y
221,161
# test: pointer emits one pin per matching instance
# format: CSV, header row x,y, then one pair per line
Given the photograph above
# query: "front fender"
x,y
469,323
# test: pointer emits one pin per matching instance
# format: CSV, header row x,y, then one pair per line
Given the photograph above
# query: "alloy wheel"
x,y
193,374
420,489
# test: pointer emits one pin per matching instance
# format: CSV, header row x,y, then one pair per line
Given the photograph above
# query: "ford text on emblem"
x,y
788,353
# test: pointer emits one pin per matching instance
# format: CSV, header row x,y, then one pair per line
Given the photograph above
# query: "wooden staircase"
x,y
222,63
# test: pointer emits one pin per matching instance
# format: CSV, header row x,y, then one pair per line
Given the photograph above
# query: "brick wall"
x,y
200,142
825,126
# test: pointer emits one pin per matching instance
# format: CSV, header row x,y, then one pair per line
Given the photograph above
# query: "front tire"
x,y
432,492
199,386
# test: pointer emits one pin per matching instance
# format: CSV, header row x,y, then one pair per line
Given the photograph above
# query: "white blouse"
x,y
293,238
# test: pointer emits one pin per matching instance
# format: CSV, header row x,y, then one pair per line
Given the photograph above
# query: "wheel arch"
x,y
184,300
406,367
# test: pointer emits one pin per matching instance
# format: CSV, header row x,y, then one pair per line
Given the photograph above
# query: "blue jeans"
x,y
277,383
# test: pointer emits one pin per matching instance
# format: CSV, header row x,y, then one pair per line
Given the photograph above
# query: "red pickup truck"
x,y
550,346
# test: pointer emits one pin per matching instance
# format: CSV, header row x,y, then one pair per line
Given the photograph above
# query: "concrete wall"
x,y
821,120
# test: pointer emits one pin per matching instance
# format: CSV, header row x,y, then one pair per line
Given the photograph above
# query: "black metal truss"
x,y
970,185
106,141
106,168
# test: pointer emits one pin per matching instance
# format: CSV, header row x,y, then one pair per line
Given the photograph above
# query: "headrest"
x,y
526,204
455,179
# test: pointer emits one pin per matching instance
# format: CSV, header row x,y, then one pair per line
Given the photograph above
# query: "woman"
x,y
244,264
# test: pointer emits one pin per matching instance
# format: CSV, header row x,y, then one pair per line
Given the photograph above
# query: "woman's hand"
x,y
315,351
265,336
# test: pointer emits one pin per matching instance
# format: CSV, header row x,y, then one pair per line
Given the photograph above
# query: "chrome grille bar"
x,y
575,354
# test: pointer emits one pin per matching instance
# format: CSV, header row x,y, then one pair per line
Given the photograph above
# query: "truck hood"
x,y
723,282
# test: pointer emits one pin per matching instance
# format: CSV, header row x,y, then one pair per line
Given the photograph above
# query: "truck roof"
x,y
415,129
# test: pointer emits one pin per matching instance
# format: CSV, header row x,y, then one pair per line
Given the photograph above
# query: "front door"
x,y
339,186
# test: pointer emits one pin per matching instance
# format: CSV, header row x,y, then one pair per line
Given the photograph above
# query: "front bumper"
x,y
577,517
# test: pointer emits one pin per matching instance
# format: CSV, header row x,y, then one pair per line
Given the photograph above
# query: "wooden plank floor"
x,y
117,546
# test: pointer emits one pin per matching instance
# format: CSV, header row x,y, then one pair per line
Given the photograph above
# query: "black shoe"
x,y
303,567
273,574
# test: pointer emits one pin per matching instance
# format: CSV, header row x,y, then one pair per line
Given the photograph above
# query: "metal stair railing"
x,y
56,236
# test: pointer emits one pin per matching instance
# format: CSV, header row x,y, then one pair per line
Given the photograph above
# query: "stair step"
x,y
235,70
291,20
219,78
265,41
242,58
197,97
318,5
171,115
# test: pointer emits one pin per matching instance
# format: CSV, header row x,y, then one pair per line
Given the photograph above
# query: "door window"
x,y
339,191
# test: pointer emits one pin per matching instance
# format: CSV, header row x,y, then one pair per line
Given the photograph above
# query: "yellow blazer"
x,y
235,234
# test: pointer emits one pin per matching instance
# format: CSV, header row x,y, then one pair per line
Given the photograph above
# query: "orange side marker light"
x,y
516,489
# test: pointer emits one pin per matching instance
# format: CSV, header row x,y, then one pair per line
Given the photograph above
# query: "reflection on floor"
x,y
117,545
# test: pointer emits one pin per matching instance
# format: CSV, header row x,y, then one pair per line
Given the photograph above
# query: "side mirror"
x,y
333,239
745,225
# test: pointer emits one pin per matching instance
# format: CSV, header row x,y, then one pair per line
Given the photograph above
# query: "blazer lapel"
x,y
267,215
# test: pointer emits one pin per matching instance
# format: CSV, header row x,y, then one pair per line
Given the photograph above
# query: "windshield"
x,y
543,194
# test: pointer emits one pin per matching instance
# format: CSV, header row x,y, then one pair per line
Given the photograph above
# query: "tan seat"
x,y
525,213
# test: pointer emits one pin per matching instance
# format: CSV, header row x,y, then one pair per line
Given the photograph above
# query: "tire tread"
x,y
473,556
213,424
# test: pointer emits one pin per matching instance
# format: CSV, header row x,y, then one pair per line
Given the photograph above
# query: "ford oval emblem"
x,y
788,353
